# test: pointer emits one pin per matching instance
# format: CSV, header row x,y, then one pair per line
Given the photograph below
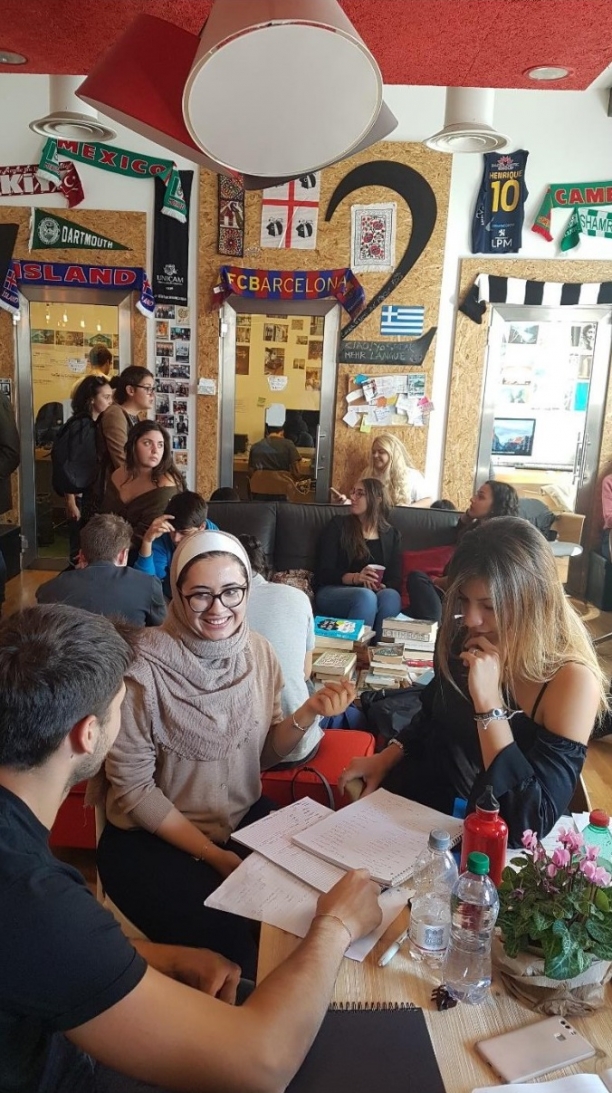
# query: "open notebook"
x,y
573,1083
383,833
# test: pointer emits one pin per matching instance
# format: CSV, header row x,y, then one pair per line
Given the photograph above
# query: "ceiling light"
x,y
82,324
547,72
98,327
9,58
468,118
68,117
64,318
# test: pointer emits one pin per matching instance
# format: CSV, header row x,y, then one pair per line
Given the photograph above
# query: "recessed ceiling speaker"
x,y
64,122
271,89
468,122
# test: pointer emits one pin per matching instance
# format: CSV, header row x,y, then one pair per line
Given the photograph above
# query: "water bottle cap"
x,y
488,802
478,863
439,840
599,818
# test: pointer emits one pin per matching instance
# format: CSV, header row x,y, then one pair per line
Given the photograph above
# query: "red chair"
x,y
336,750
75,825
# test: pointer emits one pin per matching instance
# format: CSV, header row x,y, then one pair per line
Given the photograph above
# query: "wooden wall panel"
x,y
467,374
421,286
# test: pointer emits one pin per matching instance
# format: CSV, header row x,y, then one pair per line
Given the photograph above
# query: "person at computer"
x,y
275,452
516,691
82,1008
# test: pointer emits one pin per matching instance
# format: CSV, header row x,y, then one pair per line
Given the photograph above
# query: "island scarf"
x,y
284,284
128,278
119,161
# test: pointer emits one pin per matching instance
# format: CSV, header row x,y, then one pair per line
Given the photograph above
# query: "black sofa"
x,y
289,533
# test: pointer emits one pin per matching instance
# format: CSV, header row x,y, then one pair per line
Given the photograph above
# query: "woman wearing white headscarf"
x,y
202,716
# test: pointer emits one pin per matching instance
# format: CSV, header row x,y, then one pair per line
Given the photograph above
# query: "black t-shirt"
x,y
63,957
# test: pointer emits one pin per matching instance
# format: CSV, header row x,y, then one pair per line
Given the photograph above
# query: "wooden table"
x,y
453,1032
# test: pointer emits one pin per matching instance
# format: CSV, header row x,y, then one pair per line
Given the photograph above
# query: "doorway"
x,y
278,366
543,406
55,337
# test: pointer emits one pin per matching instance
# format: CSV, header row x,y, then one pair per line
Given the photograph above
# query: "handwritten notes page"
x,y
272,837
573,1083
383,833
260,890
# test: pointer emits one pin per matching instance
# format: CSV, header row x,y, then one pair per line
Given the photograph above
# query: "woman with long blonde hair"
x,y
392,465
516,691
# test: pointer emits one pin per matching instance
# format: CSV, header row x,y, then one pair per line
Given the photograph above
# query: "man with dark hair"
x,y
82,1008
185,513
104,584
100,359
9,461
275,452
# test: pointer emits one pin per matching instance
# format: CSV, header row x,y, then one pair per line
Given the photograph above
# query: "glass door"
x,y
56,347
278,370
544,398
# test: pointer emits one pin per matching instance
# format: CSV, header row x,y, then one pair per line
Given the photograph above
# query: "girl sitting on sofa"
x,y
345,583
516,690
491,499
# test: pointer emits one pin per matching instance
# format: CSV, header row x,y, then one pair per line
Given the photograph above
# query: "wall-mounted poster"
x,y
242,360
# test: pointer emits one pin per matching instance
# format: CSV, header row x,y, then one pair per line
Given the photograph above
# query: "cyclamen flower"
x,y
570,839
551,870
561,857
530,839
592,852
596,874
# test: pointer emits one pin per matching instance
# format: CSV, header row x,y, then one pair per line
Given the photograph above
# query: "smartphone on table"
x,y
534,1050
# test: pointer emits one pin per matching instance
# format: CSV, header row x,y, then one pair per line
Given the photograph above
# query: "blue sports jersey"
x,y
500,207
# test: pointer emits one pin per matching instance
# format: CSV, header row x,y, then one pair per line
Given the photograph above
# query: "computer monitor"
x,y
513,435
241,441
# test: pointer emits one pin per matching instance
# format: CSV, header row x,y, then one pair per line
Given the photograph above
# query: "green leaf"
x,y
602,899
600,931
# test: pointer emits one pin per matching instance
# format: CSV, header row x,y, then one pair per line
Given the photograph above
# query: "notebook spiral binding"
x,y
374,1006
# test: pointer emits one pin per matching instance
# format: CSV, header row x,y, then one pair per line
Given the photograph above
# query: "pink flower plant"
x,y
560,902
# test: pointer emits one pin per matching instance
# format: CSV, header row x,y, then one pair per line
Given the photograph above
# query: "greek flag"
x,y
402,320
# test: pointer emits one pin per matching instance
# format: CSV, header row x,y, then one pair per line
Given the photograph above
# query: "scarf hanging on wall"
x,y
514,290
563,195
230,198
284,284
25,181
120,162
76,276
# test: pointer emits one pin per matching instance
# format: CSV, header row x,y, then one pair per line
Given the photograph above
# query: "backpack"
x,y
49,421
74,456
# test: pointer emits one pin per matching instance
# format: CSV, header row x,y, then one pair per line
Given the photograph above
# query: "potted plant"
x,y
555,922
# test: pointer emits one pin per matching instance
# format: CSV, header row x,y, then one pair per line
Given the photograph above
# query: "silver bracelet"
x,y
500,713
396,744
298,727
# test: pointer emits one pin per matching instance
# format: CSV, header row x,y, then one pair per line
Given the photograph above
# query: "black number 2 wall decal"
x,y
421,201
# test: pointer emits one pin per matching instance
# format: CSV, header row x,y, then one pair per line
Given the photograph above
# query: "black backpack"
x,y
74,456
49,421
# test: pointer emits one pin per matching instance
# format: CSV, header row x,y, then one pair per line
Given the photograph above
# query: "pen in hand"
x,y
392,950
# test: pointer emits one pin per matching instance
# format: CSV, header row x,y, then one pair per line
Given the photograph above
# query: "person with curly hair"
x,y
391,464
490,500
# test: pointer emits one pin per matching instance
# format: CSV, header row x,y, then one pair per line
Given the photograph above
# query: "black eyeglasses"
x,y
144,387
199,602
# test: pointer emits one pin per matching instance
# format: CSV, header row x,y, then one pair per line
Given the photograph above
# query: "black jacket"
x,y
9,452
333,562
107,589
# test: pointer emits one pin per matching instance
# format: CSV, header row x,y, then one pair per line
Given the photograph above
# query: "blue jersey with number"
x,y
500,208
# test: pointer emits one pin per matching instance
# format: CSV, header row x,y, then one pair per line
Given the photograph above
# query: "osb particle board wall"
x,y
468,367
128,228
421,286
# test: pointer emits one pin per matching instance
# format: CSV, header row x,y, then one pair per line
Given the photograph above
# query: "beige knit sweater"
x,y
149,777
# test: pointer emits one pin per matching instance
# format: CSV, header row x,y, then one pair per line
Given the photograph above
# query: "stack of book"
x,y
387,668
333,664
341,633
418,639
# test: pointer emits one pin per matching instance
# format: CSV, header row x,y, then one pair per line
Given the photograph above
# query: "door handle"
x,y
577,458
320,436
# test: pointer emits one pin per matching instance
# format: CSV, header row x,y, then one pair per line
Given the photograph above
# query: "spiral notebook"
x,y
363,1050
383,833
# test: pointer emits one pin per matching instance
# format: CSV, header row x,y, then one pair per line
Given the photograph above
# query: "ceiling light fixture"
x,y
63,122
468,122
64,318
7,57
547,72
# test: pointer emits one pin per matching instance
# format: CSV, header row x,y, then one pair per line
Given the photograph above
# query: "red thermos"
x,y
485,831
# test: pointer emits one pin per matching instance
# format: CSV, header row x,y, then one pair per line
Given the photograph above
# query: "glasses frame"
x,y
145,387
216,596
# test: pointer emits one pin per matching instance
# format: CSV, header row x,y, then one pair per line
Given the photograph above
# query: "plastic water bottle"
x,y
598,834
434,875
474,908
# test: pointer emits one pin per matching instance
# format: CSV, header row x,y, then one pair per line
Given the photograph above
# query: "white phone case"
x,y
535,1049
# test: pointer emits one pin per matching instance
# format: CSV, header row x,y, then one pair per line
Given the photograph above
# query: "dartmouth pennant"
x,y
128,278
121,162
284,284
51,232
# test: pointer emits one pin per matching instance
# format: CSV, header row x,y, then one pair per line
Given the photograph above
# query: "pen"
x,y
392,950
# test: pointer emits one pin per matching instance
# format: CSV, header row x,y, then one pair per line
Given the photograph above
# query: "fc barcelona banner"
x,y
284,284
128,278
51,232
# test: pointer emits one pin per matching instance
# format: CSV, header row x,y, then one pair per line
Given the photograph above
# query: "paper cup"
x,y
378,571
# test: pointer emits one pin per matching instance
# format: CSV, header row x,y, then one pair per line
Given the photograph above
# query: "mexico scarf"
x,y
128,278
25,181
121,162
284,284
562,195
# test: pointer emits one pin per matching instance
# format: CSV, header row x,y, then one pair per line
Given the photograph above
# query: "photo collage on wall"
x,y
173,378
